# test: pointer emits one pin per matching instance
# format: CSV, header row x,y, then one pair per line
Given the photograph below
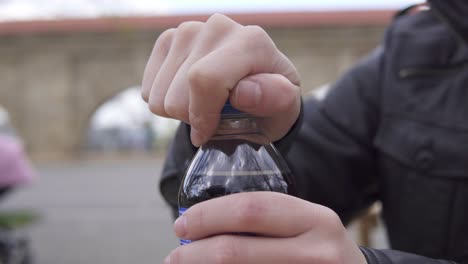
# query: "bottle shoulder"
x,y
238,137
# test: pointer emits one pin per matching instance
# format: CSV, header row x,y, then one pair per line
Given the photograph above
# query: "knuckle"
x,y
296,93
186,31
292,97
226,251
188,26
203,122
297,90
164,41
145,94
195,221
292,75
250,211
332,222
331,217
283,65
289,97
256,39
196,119
217,19
171,108
175,109
220,24
255,31
201,80
156,108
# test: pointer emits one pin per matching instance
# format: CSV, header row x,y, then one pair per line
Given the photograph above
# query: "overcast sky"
x,y
44,9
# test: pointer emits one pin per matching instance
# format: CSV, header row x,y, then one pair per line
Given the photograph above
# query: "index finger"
x,y
158,54
210,84
248,51
263,213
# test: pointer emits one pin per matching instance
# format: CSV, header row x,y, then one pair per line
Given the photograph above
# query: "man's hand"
x,y
197,66
285,230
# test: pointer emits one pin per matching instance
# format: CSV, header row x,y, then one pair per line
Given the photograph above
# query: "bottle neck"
x,y
237,124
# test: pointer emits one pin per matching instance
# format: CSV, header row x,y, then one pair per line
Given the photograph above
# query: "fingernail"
x,y
167,260
248,94
180,226
197,138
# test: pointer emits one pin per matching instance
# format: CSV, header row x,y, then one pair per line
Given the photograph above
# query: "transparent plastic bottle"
x,y
238,158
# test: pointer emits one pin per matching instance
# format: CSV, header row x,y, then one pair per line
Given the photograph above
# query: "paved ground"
x,y
97,212
100,212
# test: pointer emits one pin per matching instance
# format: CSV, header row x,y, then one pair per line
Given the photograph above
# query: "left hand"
x,y
197,66
286,230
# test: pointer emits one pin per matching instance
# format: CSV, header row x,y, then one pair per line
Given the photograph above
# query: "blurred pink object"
x,y
15,168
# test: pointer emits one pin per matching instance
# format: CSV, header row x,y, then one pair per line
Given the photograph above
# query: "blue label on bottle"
x,y
183,241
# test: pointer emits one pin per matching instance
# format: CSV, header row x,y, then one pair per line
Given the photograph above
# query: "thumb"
x,y
270,96
266,95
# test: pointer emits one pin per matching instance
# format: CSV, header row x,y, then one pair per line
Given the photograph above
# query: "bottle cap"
x,y
228,109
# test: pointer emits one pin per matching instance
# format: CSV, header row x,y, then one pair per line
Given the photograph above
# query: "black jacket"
x,y
394,129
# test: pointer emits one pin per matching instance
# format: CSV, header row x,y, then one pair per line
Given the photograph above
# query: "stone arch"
x,y
97,76
51,84
103,103
135,124
10,95
87,113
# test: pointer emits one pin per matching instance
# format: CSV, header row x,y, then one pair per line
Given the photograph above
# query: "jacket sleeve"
x,y
178,158
332,157
387,256
330,151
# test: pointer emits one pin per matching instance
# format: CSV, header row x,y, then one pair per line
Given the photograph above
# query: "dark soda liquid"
x,y
202,187
234,163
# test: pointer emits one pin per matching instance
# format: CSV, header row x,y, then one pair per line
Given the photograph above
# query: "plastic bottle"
x,y
238,158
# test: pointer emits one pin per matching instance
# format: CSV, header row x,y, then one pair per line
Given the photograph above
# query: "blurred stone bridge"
x,y
55,74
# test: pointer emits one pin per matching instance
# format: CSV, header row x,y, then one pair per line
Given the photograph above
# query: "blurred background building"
x,y
58,69
70,73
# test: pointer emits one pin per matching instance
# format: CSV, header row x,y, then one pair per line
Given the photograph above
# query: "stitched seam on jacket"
x,y
382,258
424,120
370,256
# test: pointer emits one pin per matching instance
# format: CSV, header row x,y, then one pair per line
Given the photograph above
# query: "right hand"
x,y
194,68
287,230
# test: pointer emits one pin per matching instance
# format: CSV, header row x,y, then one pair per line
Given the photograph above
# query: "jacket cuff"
x,y
387,256
374,256
283,145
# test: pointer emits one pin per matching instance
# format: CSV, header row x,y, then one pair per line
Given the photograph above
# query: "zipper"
x,y
412,72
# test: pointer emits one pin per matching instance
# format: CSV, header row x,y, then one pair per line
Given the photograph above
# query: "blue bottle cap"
x,y
228,109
